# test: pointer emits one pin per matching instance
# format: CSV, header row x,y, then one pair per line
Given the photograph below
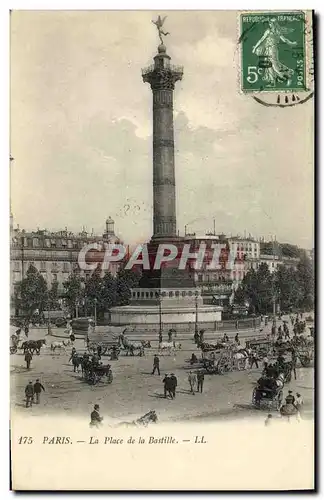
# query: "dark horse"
x,y
33,345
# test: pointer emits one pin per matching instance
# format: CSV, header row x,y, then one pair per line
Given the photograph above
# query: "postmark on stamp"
x,y
273,52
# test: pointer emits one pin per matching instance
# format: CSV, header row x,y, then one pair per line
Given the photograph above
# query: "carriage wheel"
x,y
305,360
221,365
279,399
241,364
13,350
254,401
209,368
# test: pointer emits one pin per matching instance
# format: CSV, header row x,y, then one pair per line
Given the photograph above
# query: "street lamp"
x,y
95,311
196,306
159,296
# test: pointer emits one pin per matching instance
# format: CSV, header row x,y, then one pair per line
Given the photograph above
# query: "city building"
x,y
54,253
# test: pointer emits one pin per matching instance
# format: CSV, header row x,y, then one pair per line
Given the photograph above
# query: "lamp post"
x,y
159,297
196,307
95,311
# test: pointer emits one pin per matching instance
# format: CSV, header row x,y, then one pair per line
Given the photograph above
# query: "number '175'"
x,y
25,440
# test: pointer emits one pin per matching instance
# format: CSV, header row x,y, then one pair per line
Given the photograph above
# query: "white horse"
x,y
59,345
167,347
241,359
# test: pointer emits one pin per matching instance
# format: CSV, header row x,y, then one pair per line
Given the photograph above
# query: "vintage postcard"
x,y
162,306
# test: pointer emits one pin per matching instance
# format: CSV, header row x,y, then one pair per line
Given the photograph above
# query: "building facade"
x,y
54,254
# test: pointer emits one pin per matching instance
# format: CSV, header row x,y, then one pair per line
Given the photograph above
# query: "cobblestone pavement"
x,y
135,391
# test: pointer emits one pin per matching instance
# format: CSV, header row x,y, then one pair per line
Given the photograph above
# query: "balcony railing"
x,y
170,67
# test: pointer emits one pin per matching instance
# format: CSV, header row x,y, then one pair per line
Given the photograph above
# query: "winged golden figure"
x,y
159,23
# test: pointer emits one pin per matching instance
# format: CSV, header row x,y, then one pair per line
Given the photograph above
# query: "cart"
x,y
222,361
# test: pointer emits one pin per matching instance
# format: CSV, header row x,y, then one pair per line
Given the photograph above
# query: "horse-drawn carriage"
x,y
14,344
105,340
224,360
95,373
262,347
269,392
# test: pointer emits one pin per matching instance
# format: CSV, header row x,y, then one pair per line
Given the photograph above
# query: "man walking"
x,y
29,393
38,388
192,379
28,358
173,385
156,364
96,419
294,362
253,359
200,380
167,386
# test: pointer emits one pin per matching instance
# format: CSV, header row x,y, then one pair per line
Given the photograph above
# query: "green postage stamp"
x,y
273,55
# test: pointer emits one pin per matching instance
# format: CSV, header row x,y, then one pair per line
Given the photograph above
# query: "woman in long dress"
x,y
268,48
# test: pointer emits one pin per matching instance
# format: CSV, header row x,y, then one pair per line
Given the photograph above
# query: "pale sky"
x,y
81,129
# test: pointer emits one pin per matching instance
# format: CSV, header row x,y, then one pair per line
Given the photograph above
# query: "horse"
x,y
176,345
33,345
166,346
143,421
59,345
146,343
241,358
130,347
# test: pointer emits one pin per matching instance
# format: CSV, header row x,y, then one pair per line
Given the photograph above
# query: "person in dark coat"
x,y
96,419
173,385
193,359
196,338
167,386
156,364
28,358
290,399
200,380
38,388
29,393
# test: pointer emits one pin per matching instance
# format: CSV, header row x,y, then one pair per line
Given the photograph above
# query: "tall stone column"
x,y
162,77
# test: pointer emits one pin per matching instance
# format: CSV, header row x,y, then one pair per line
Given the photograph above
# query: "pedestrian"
x,y
26,330
170,336
201,336
29,393
192,379
28,358
38,388
96,419
167,386
253,359
268,420
156,364
280,330
299,404
193,359
236,338
160,337
290,399
173,384
200,380
73,353
72,337
294,362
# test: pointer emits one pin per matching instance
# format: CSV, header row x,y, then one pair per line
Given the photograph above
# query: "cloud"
x,y
81,121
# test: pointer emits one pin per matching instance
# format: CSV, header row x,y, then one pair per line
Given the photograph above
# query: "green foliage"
x,y
73,291
53,302
31,293
125,281
292,288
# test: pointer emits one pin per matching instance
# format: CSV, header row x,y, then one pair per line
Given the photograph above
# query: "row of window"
x,y
151,295
48,243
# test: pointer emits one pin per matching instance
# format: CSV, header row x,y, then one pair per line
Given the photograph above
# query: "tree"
x,y
73,291
306,280
53,302
288,288
31,293
125,280
257,289
239,296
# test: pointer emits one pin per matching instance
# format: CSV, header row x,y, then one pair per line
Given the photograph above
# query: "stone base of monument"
x,y
182,318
